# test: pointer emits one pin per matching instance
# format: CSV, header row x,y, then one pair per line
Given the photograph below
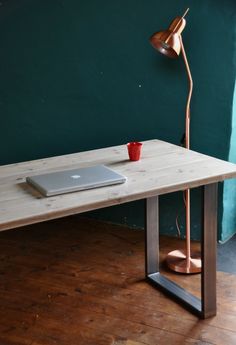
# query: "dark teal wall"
x,y
229,191
80,74
229,200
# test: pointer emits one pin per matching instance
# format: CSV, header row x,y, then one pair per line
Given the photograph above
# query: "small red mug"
x,y
134,150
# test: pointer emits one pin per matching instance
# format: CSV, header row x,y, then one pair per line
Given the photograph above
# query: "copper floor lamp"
x,y
170,43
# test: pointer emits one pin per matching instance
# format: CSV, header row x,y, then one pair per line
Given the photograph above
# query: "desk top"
x,y
163,168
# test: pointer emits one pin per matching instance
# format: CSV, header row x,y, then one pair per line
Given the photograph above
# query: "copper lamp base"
x,y
177,261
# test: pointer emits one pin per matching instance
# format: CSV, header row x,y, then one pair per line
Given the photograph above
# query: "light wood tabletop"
x,y
163,168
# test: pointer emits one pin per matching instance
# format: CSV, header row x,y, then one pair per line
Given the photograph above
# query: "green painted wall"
x,y
80,74
229,191
229,199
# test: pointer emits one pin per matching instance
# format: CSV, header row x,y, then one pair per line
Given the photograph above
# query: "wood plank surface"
x,y
79,281
163,168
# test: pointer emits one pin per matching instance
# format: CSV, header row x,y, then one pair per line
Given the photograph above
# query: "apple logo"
x,y
75,176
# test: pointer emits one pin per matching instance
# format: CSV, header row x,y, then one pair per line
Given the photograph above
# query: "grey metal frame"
x,y
206,306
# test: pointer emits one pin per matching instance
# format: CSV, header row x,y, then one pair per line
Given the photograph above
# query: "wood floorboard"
x,y
79,281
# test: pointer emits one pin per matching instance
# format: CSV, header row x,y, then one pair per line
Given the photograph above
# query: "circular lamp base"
x,y
176,261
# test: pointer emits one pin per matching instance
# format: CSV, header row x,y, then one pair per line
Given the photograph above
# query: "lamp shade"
x,y
168,42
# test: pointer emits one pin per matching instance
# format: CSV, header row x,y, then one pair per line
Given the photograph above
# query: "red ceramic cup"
x,y
134,150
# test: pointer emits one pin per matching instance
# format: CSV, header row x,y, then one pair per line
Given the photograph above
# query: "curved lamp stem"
x,y
187,118
187,145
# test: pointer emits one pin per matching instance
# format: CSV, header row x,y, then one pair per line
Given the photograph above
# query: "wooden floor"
x,y
76,281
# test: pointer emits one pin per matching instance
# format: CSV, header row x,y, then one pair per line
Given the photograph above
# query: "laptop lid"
x,y
66,181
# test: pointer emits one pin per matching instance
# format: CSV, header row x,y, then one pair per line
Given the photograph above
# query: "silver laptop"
x,y
66,181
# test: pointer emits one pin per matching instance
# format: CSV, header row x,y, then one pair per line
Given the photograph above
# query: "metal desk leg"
x,y
152,236
206,306
209,239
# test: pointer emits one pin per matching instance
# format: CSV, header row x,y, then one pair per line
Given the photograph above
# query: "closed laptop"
x,y
66,181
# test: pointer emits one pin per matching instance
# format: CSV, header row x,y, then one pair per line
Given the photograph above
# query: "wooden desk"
x,y
164,168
